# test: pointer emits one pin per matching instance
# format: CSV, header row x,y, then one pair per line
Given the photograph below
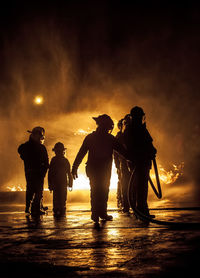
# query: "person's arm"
x,y
45,163
116,160
22,151
120,149
82,152
50,176
69,175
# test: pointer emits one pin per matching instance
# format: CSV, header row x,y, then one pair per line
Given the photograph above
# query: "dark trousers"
x,y
119,189
140,187
125,177
34,192
99,190
59,199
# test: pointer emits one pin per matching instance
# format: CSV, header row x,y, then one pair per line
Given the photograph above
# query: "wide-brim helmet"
x,y
37,129
104,121
59,147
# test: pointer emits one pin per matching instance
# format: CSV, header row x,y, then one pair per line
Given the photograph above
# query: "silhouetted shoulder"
x,y
22,147
23,150
88,140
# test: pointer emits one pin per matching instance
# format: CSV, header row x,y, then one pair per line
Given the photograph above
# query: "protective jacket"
x,y
58,170
139,144
35,157
100,146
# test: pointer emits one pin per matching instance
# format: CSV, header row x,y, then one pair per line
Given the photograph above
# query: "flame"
x,y
15,188
83,182
169,177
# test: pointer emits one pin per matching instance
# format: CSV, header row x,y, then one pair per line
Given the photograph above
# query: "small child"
x,y
59,178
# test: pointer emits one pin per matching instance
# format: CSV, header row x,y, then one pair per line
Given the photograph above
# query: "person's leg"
x,y
29,197
119,189
125,184
103,195
29,191
64,200
142,189
94,198
36,204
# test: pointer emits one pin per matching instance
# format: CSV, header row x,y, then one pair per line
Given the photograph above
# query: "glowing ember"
x,y
38,100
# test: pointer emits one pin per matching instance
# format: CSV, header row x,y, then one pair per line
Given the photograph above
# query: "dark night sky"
x,y
126,43
83,54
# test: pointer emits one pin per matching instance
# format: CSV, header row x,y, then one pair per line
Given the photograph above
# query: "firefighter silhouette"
x,y
59,178
122,169
100,145
141,151
118,167
36,163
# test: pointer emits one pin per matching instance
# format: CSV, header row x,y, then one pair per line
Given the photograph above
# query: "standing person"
x,y
59,178
36,163
141,150
122,168
125,173
100,145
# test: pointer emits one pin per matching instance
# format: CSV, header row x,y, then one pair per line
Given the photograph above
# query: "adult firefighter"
x,y
141,150
122,170
100,145
36,163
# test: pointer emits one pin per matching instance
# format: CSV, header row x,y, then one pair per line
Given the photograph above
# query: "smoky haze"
x,y
92,57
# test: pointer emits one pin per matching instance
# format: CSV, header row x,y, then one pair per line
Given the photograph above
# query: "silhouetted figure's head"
x,y
137,114
127,120
59,149
104,123
120,124
37,134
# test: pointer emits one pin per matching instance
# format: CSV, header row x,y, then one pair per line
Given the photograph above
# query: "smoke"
x,y
106,59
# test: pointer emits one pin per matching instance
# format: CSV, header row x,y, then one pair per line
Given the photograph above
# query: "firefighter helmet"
x,y
137,111
37,129
105,121
59,147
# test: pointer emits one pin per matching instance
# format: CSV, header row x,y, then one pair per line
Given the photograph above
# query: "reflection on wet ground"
x,y
124,247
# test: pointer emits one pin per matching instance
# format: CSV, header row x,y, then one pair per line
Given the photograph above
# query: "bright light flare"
x,y
38,100
81,131
82,183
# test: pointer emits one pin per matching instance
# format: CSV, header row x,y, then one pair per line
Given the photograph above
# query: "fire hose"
x,y
158,193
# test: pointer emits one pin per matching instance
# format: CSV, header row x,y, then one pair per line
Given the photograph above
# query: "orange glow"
x,y
38,100
82,183
169,177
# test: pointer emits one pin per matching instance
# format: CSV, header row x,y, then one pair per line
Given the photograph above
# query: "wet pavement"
x,y
73,247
